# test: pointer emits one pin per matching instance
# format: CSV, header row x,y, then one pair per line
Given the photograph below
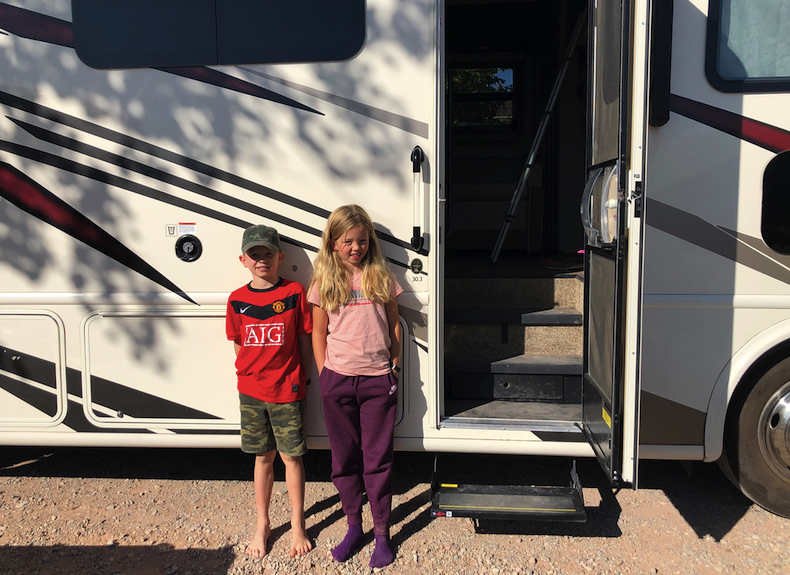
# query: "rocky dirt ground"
x,y
179,512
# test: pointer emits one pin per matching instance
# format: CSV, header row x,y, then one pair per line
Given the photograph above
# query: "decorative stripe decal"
x,y
759,245
758,133
157,174
688,424
36,26
161,153
222,80
415,127
697,231
39,202
107,394
156,151
123,183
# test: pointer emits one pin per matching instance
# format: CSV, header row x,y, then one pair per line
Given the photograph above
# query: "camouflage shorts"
x,y
268,426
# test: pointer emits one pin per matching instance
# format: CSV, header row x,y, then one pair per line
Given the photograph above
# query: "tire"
x,y
756,454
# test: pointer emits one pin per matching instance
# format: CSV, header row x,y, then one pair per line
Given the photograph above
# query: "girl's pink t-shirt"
x,y
358,342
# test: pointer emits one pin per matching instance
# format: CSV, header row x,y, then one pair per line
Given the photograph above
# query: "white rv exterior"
x,y
125,192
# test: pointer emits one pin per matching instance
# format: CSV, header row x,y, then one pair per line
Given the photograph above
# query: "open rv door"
x,y
611,212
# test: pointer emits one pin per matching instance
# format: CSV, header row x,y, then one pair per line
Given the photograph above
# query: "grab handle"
x,y
417,158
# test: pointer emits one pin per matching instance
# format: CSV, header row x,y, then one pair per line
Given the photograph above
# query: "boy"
x,y
270,324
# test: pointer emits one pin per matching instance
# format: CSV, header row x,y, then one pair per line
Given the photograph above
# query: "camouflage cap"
x,y
260,235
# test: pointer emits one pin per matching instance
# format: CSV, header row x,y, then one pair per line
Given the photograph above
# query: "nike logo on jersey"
x,y
265,312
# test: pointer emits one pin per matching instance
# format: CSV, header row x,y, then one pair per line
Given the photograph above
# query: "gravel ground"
x,y
180,512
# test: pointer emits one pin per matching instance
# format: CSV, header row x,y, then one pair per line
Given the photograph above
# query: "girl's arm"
x,y
391,307
320,323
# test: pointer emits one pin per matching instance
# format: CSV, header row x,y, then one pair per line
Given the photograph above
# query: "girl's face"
x,y
352,247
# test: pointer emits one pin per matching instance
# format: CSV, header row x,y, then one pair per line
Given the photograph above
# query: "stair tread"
x,y
555,503
513,315
525,363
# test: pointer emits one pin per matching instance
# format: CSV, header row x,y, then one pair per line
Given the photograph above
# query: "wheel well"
x,y
758,369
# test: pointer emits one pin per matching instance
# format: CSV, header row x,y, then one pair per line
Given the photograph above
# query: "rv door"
x,y
610,213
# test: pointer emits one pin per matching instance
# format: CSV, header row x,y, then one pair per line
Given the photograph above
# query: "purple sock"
x,y
382,555
352,541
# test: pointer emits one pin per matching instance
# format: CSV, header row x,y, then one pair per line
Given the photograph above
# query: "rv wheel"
x,y
757,442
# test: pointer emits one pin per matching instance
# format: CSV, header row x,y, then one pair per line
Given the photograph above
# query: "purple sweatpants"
x,y
359,412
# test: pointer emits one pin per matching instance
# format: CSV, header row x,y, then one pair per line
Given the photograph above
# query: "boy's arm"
x,y
320,323
236,348
306,351
396,335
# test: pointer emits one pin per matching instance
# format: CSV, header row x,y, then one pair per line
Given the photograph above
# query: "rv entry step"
x,y
526,502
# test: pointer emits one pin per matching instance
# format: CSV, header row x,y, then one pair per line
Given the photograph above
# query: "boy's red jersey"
x,y
266,323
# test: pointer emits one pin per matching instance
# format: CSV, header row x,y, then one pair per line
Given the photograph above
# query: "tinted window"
x,y
606,42
775,225
144,33
749,45
482,97
157,33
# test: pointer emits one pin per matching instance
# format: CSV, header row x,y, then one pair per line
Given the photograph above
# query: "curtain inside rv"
x,y
754,39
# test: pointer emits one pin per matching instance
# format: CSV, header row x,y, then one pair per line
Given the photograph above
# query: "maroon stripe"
x,y
39,202
222,80
758,133
35,26
35,200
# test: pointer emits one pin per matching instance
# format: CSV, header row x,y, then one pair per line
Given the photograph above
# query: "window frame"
x,y
493,127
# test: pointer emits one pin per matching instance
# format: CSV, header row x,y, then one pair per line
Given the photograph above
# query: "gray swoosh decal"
x,y
759,245
396,120
697,231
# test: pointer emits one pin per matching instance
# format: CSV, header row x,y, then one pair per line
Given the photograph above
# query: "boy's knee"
x,y
267,457
290,458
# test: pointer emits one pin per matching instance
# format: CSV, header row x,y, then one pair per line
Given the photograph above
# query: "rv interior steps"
x,y
550,503
534,416
570,365
554,316
535,392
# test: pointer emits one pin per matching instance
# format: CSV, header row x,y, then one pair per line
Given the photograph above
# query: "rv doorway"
x,y
513,331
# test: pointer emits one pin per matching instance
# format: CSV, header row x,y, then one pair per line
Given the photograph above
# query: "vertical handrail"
x,y
522,182
417,158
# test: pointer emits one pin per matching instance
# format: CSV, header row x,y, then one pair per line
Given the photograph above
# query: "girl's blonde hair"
x,y
330,275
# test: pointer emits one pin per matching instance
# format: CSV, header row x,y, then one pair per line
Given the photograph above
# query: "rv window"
x,y
775,225
152,33
482,97
605,121
748,45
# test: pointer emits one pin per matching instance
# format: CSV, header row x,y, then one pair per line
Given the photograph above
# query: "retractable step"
x,y
526,502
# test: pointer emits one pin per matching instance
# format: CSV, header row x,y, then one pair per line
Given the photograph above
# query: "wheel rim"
x,y
774,432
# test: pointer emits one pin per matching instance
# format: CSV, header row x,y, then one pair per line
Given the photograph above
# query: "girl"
x,y
357,342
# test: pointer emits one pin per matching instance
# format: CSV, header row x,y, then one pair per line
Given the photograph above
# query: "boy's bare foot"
x,y
300,544
257,547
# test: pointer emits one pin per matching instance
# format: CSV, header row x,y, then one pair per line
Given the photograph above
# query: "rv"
x,y
585,202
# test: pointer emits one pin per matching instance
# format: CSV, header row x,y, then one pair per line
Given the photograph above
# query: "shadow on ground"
x,y
46,560
704,497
